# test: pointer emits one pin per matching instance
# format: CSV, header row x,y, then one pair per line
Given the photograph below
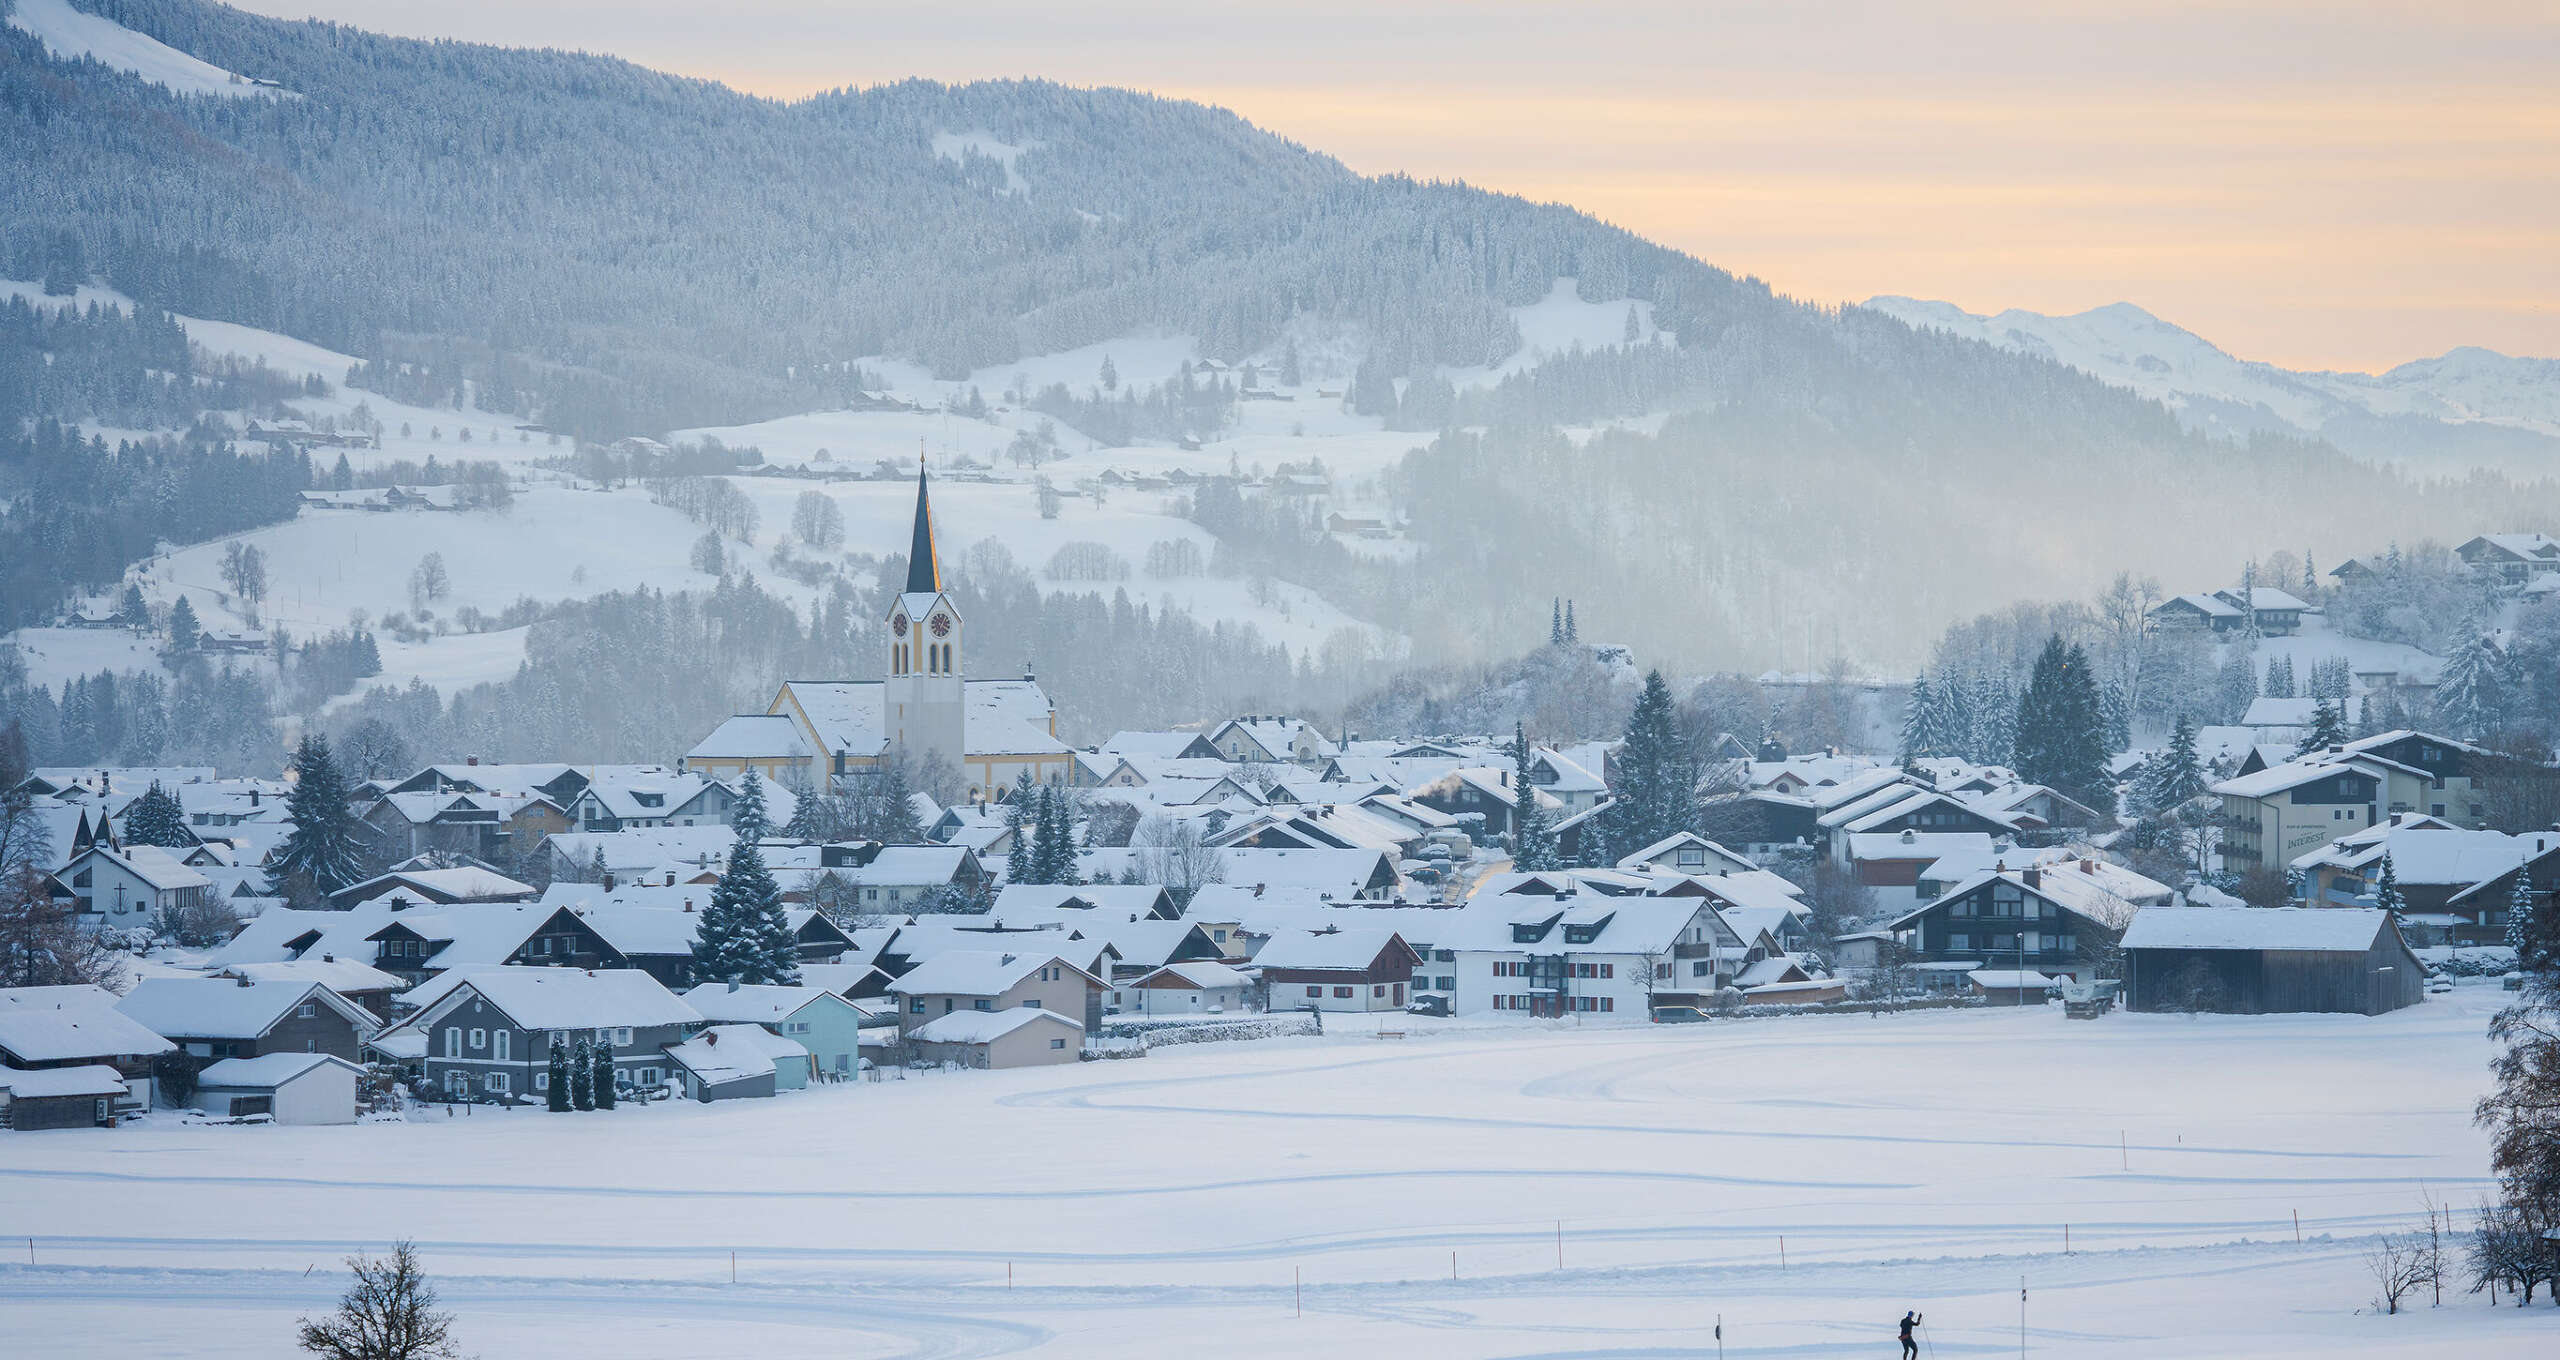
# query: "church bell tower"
x,y
924,710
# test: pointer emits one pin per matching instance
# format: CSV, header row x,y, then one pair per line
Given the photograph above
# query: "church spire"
x,y
924,566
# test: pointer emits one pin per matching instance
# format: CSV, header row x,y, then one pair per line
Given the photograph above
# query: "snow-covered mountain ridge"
x,y
2410,412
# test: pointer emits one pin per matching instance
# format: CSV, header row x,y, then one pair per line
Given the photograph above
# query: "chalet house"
x,y
1334,969
2198,613
1687,852
1906,807
239,1018
2277,613
998,1039
1161,746
1574,954
1890,865
768,743
129,886
482,826
1484,791
1344,873
2273,816
370,988
826,1026
46,1028
1191,987
1271,739
965,980
1109,900
1100,770
489,1029
2457,885
737,1062
1574,786
2255,961
561,784
2512,559
663,799
890,878
2045,918
435,887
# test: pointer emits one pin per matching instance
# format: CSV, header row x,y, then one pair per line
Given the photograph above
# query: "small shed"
x,y
2010,986
60,1097
735,1062
1188,988
2266,960
291,1088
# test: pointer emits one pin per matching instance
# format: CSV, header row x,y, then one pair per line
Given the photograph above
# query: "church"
x,y
988,731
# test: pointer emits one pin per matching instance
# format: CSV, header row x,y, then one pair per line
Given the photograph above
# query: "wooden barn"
x,y
2266,960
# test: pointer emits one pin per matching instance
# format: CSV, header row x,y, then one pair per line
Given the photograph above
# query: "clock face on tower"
x,y
898,625
942,625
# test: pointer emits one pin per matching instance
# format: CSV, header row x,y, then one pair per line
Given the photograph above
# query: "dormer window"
x,y
1529,933
649,800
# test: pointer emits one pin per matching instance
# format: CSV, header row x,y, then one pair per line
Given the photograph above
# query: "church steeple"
x,y
924,565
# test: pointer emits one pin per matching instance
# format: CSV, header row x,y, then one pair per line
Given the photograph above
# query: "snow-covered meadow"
x,y
1419,1190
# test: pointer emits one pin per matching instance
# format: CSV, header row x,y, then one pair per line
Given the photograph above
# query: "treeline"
x,y
122,366
80,512
223,717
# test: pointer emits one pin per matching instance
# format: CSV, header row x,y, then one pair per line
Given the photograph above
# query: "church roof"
x,y
924,564
1005,717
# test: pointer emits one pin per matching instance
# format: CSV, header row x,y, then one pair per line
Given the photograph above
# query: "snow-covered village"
x,y
660,708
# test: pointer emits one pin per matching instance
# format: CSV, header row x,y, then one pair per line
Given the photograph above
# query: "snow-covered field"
x,y
1170,1207
71,33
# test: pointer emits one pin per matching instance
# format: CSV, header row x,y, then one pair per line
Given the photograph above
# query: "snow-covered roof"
x,y
1355,948
1163,745
558,998
57,1024
2211,606
2530,547
753,1003
979,1027
1200,975
2264,598
229,1008
162,871
1005,717
92,1080
2086,886
343,976
2432,854
464,884
2003,979
2326,930
727,1053
981,972
266,1071
2293,774
752,736
1715,853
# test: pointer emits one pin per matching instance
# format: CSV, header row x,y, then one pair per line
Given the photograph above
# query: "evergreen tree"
x,y
2178,775
2061,730
744,935
184,631
342,477
2527,933
558,1079
1915,722
2328,728
156,819
323,852
2386,890
1657,776
2238,685
1017,816
1572,630
897,823
582,1076
1555,622
602,1080
2119,717
1995,720
2467,704
2280,678
596,869
748,816
1533,838
132,612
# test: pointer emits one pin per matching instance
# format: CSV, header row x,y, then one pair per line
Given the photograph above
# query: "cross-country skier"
x,y
1910,1348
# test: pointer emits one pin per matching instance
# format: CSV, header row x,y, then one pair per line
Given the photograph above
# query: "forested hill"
x,y
613,249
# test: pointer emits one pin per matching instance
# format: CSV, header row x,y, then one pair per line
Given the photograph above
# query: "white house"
x,y
1582,954
127,887
1200,988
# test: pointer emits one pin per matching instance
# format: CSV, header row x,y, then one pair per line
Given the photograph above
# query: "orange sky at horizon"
x,y
2377,185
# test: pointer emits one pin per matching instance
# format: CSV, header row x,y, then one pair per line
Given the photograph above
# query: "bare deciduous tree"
x,y
1174,855
389,1313
2398,1264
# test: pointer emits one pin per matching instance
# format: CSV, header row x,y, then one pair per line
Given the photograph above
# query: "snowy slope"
x,y
71,34
2129,347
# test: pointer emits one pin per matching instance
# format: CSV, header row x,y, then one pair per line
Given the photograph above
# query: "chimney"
x,y
244,981
711,1037
1909,835
688,904
733,984
253,797
1007,959
471,760
2088,866
2032,878
328,958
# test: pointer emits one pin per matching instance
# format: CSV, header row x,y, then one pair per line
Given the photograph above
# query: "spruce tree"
x,y
322,853
1533,838
2328,728
2386,890
1657,776
2178,775
596,869
582,1077
602,1081
2527,934
2280,678
1572,630
156,819
897,824
748,817
132,612
184,631
1555,622
1017,816
2061,739
2466,696
1915,722
558,1078
744,935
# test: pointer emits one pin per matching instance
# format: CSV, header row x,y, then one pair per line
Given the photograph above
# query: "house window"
x,y
542,1081
310,1045
622,1035
494,1081
479,1040
502,1042
452,1041
1341,993
1057,1043
1960,941
916,1007
1377,989
1315,991
306,1010
1446,983
983,1003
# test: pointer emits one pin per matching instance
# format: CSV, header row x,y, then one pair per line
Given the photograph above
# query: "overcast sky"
x,y
2349,186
